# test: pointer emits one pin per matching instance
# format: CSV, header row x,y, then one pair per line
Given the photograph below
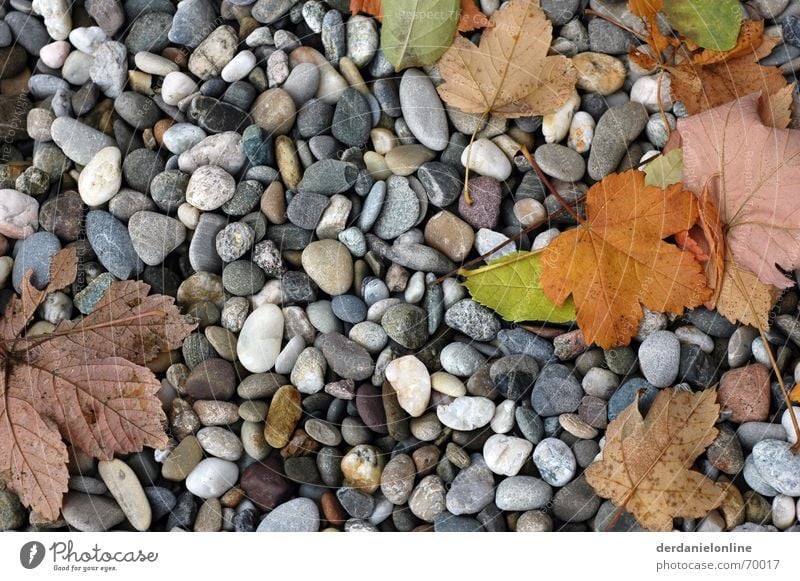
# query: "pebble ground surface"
x,y
263,163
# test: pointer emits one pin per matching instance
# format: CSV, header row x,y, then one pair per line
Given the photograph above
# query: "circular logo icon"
x,y
31,554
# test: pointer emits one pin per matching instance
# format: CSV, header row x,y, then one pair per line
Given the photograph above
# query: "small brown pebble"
x,y
232,497
273,203
425,459
301,444
457,455
332,509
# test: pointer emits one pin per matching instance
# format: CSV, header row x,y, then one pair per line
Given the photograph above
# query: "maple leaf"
x,y
738,295
371,7
84,382
645,8
509,74
617,260
646,462
751,171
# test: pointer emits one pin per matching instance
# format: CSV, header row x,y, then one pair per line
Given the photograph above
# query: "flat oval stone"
x,y
212,477
423,110
111,242
79,142
127,491
283,415
155,235
90,513
213,378
300,515
260,339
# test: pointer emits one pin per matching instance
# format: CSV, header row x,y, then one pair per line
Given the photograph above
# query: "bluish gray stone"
x,y
111,242
34,253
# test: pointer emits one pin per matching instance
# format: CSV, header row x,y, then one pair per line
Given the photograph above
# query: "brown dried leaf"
x,y
646,462
32,453
645,8
129,323
471,17
776,110
510,74
66,382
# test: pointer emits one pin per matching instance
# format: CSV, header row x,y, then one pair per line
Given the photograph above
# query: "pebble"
x,y
260,339
127,491
599,73
155,235
746,393
423,111
659,358
397,479
555,126
472,490
778,466
466,413
329,265
505,455
18,214
556,391
522,493
111,242
299,515
615,130
79,142
362,467
90,513
555,461
411,382
428,498
347,358
486,159
400,211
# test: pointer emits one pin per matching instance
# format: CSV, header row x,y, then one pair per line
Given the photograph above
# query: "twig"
x,y
549,186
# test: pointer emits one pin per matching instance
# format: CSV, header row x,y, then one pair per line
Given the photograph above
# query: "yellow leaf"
x,y
646,461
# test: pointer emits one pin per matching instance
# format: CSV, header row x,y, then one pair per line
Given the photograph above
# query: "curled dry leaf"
x,y
646,463
510,74
618,261
84,382
751,172
471,17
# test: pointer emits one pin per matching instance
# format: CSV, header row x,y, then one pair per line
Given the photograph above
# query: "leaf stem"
x,y
520,256
549,186
478,127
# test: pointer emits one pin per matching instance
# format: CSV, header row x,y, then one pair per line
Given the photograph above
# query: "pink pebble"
x,y
55,53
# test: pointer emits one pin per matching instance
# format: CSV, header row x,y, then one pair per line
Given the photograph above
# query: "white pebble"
x,y
503,420
447,384
412,382
486,240
212,477
487,159
54,54
177,86
154,64
260,339
505,455
188,215
555,126
101,179
786,422
288,357
87,39
784,512
239,67
56,15
466,413
529,211
711,523
543,239
691,335
415,289
645,91
581,132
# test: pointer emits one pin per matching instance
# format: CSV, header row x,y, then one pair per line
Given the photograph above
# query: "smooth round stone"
x,y
243,278
54,54
302,83
423,110
91,513
404,160
349,308
428,498
486,197
110,240
472,490
406,324
505,455
308,373
76,69
79,142
599,73
352,119
35,254
213,378
615,130
442,183
274,111
487,159
176,87
575,502
472,319
659,358
329,265
260,339
182,137
210,187
155,235
460,359
300,515
127,491
555,461
556,391
369,335
212,477
400,211
778,466
18,214
362,40
520,493
560,162
362,467
220,443
162,501
466,413
239,67
213,53
411,382
397,479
